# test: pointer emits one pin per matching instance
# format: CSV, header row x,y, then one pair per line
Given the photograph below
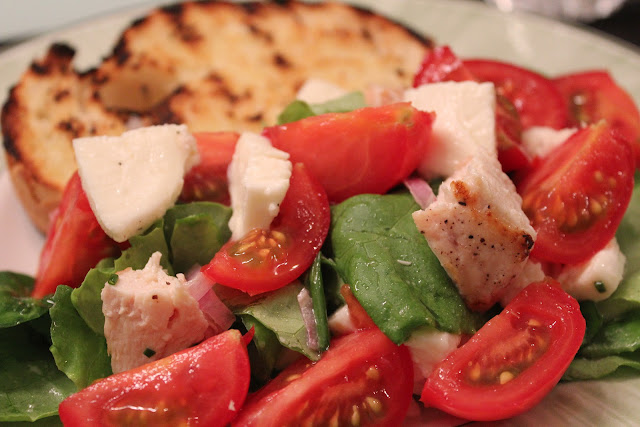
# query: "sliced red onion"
x,y
200,287
309,318
421,191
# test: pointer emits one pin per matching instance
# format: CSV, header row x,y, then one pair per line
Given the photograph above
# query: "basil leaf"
x,y
31,386
196,231
392,272
78,351
142,247
614,338
16,304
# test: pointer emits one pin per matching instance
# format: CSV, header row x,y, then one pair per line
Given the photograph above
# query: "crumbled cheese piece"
x,y
464,125
428,347
478,231
132,179
149,315
538,141
597,278
258,181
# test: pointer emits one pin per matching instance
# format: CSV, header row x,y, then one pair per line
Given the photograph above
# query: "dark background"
x,y
624,24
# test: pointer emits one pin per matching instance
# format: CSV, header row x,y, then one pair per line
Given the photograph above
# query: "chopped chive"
x,y
113,279
148,352
600,287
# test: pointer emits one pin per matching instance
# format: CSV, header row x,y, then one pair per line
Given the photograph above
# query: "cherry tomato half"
x,y
363,379
594,95
75,243
441,64
513,361
265,260
207,181
369,150
575,196
538,101
206,385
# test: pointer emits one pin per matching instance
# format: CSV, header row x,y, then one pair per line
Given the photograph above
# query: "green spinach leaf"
x,y
316,289
392,272
195,232
31,386
298,110
78,351
16,305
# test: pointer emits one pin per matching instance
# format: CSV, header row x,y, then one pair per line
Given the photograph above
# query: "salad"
x,y
273,325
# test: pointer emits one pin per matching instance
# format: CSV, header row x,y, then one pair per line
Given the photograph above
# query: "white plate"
x,y
472,30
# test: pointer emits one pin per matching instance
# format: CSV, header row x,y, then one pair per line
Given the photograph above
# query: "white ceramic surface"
x,y
473,30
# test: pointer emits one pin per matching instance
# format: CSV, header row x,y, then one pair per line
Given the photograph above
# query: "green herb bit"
x,y
113,279
149,352
600,287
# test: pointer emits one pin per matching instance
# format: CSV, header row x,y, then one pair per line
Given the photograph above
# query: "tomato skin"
x,y
524,88
207,181
576,196
542,322
303,223
75,243
194,386
594,95
364,364
349,155
440,65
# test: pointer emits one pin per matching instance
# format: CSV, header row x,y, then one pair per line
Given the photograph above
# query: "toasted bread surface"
x,y
211,65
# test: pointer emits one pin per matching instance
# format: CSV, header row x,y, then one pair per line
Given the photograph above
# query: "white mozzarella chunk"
x,y
148,311
428,347
132,179
258,181
340,322
597,278
531,273
478,231
318,91
538,141
464,125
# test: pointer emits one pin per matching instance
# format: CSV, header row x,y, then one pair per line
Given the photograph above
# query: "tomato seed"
x,y
505,377
373,373
374,404
355,416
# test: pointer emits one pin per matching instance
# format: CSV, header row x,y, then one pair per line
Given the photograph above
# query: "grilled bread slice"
x,y
51,105
212,65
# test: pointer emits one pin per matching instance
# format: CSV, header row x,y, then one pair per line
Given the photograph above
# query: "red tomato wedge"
x,y
593,96
363,379
513,361
207,181
538,101
75,243
575,196
369,150
206,385
265,260
440,65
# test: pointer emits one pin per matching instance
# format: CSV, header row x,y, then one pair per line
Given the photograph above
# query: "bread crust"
x,y
211,65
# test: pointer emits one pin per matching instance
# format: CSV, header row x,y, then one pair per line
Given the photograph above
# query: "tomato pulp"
x,y
363,379
513,361
265,260
205,385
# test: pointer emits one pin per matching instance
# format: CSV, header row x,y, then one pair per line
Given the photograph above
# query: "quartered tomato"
x,y
363,379
204,385
265,260
538,101
207,181
440,65
593,96
369,150
513,361
75,243
575,196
